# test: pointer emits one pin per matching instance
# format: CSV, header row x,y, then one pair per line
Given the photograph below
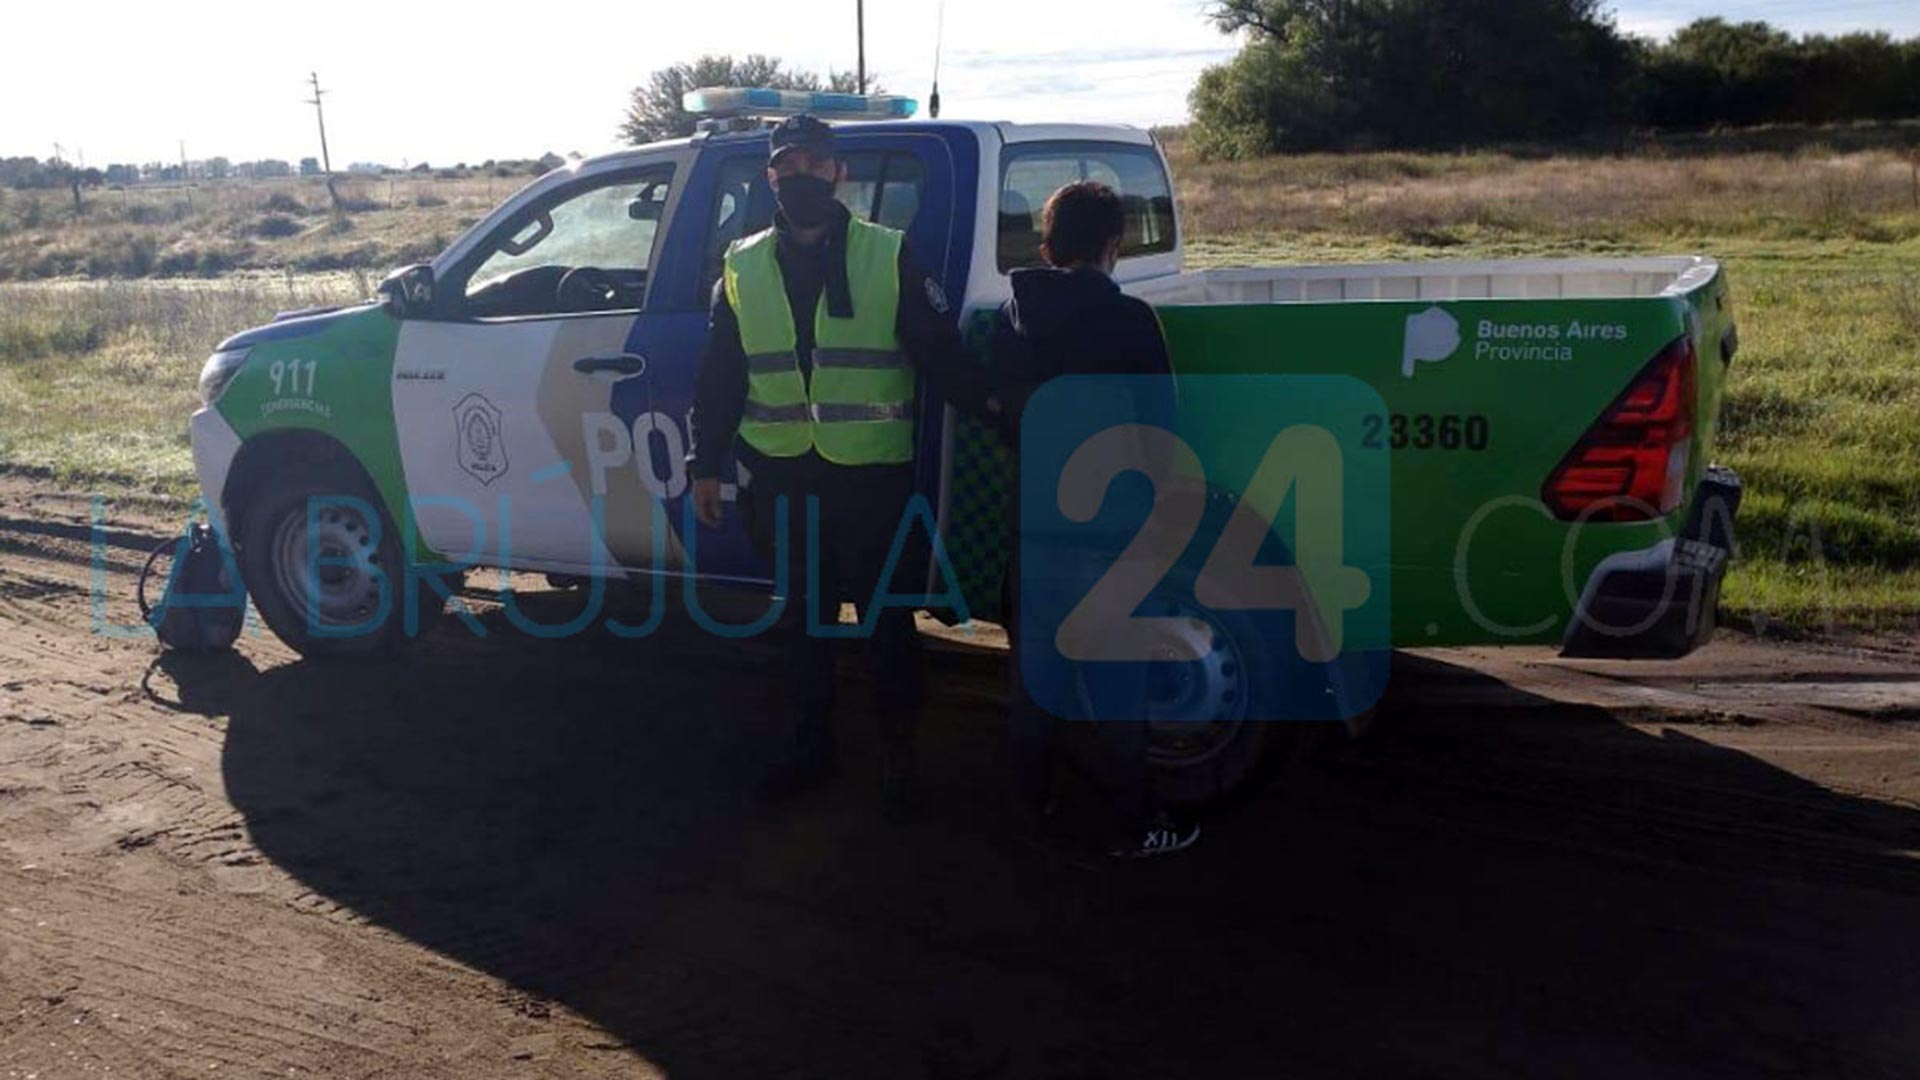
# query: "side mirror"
x,y
408,291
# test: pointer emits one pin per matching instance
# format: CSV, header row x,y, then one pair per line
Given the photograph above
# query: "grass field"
x,y
212,229
1822,417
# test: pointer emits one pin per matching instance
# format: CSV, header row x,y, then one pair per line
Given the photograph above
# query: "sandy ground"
x,y
512,857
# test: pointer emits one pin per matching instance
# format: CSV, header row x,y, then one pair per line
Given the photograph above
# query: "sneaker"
x,y
1163,837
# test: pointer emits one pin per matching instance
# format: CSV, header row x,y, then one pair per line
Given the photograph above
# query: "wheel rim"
x,y
1194,709
338,590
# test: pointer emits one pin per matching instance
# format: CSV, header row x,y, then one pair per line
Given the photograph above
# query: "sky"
x,y
444,83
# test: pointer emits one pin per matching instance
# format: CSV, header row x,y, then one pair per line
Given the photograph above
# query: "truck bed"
x,y
1532,354
1451,279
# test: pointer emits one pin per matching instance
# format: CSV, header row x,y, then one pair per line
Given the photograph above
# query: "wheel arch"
x,y
259,456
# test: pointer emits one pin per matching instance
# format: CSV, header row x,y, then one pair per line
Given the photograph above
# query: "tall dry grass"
x,y
1442,200
215,228
97,379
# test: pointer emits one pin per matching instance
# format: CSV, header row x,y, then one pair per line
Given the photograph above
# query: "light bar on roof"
x,y
724,101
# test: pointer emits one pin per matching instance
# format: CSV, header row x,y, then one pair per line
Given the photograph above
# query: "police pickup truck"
x,y
1542,427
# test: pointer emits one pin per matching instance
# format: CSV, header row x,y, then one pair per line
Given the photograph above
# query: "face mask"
x,y
806,200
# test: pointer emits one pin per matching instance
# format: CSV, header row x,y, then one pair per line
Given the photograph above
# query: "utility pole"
x,y
319,114
860,44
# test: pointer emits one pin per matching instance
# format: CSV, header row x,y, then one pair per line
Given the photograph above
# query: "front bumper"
x,y
215,444
1659,603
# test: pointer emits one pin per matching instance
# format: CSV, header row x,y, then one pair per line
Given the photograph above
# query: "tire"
x,y
1205,744
332,610
1204,747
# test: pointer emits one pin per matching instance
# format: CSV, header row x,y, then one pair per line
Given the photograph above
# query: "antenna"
x,y
860,44
939,31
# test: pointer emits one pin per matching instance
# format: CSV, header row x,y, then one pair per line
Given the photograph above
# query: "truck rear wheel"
x,y
322,560
1207,741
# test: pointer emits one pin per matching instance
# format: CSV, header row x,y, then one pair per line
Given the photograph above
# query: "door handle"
x,y
625,364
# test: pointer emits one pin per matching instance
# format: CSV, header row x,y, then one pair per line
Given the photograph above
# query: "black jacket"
x,y
923,321
1070,322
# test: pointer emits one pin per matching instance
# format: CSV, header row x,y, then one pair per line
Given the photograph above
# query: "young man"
x,y
819,326
1070,318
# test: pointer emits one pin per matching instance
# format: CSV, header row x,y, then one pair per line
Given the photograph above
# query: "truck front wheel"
x,y
323,562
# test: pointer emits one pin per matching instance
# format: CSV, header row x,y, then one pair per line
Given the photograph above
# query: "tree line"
x,y
655,109
1355,74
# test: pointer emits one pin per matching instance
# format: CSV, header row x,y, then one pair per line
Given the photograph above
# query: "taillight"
x,y
1631,465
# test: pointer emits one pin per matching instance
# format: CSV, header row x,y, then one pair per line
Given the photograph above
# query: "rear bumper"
x,y
1658,603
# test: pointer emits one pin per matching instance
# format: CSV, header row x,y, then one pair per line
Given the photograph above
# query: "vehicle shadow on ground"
x,y
1524,889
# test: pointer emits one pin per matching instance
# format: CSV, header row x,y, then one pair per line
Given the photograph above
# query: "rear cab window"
x,y
1030,172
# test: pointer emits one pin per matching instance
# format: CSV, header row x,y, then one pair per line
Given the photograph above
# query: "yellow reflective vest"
x,y
857,409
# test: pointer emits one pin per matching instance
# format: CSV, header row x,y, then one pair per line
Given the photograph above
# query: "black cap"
x,y
801,132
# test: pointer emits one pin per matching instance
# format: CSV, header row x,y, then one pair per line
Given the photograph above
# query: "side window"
x,y
882,185
742,206
586,250
1032,173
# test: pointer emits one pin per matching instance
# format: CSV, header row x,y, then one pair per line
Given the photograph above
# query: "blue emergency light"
x,y
720,102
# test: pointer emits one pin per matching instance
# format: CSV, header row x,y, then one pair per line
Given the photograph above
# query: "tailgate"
x,y
1480,402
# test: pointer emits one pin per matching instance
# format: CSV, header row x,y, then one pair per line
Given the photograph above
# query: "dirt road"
x,y
514,857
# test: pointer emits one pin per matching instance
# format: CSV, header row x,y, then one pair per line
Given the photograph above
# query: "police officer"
x,y
821,329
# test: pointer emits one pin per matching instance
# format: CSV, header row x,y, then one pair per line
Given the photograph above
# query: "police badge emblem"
x,y
479,439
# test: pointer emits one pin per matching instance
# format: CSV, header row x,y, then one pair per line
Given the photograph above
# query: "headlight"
x,y
220,369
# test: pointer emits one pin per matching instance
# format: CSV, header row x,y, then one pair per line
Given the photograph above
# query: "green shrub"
x,y
120,254
276,226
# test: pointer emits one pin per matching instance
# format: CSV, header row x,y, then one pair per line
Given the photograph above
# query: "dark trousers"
x,y
860,508
1125,776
